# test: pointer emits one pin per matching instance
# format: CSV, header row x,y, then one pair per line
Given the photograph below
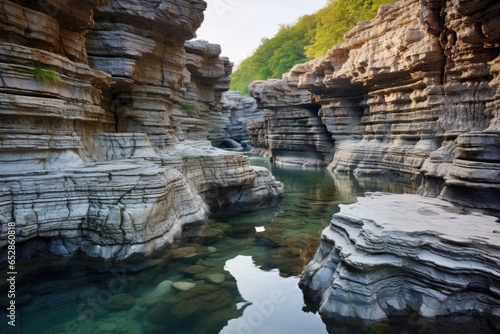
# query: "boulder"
x,y
388,255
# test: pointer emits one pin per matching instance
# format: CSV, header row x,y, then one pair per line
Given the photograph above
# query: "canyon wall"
x,y
105,116
238,112
292,131
413,92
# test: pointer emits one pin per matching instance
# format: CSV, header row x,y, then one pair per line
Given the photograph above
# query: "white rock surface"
x,y
405,253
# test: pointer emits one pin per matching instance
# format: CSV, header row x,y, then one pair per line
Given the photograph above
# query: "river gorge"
x,y
369,202
245,267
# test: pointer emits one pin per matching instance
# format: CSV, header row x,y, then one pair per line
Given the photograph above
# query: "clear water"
x,y
245,268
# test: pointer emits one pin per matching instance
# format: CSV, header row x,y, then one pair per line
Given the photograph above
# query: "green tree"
x,y
310,37
338,17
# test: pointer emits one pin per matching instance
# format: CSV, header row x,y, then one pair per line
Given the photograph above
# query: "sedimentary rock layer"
x,y
413,92
401,254
107,158
238,111
292,131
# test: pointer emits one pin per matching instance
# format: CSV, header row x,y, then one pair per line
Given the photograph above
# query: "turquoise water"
x,y
242,270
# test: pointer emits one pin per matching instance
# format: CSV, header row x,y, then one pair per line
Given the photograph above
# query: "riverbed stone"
x,y
164,287
107,327
215,278
183,286
200,299
195,269
122,301
183,252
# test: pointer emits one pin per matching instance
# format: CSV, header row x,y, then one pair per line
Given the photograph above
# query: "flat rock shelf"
x,y
394,254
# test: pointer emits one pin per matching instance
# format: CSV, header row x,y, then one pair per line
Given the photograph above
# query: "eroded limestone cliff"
x,y
109,158
412,92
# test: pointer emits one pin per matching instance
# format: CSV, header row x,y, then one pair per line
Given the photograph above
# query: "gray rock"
x,y
112,159
388,254
378,104
183,286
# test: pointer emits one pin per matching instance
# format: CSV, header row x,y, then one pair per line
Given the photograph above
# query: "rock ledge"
x,y
390,255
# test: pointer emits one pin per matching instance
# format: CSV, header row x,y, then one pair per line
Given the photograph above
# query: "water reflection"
x,y
272,302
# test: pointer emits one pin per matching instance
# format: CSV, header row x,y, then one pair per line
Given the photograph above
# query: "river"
x,y
237,274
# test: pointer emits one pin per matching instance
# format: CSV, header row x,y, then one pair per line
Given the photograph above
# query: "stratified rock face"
x,y
412,92
141,44
388,255
469,158
378,92
208,76
100,162
239,111
49,96
292,131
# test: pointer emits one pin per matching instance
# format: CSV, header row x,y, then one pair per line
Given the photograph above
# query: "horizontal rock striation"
x,y
292,131
239,111
108,159
389,255
469,157
413,92
209,76
379,93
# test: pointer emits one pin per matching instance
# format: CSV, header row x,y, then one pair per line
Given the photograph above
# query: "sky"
x,y
239,25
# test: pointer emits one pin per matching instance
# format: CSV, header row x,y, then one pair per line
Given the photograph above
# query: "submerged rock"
x,y
183,286
215,278
388,255
184,252
122,301
203,306
195,269
107,327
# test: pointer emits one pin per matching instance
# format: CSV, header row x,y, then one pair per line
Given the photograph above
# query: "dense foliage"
x,y
311,37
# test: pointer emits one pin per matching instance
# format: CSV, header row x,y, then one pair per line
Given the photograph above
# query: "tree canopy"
x,y
310,37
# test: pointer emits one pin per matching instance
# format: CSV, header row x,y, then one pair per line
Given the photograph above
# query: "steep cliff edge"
x,y
108,158
413,92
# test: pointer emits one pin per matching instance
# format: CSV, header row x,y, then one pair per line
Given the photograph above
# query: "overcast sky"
x,y
239,25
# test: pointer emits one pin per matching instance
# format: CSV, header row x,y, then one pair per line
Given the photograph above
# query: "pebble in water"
x,y
183,286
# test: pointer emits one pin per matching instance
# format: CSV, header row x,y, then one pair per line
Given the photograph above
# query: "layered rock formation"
x,y
413,92
238,112
389,255
292,131
109,160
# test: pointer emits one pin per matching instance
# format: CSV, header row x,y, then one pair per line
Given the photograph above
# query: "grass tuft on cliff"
x,y
43,75
310,37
